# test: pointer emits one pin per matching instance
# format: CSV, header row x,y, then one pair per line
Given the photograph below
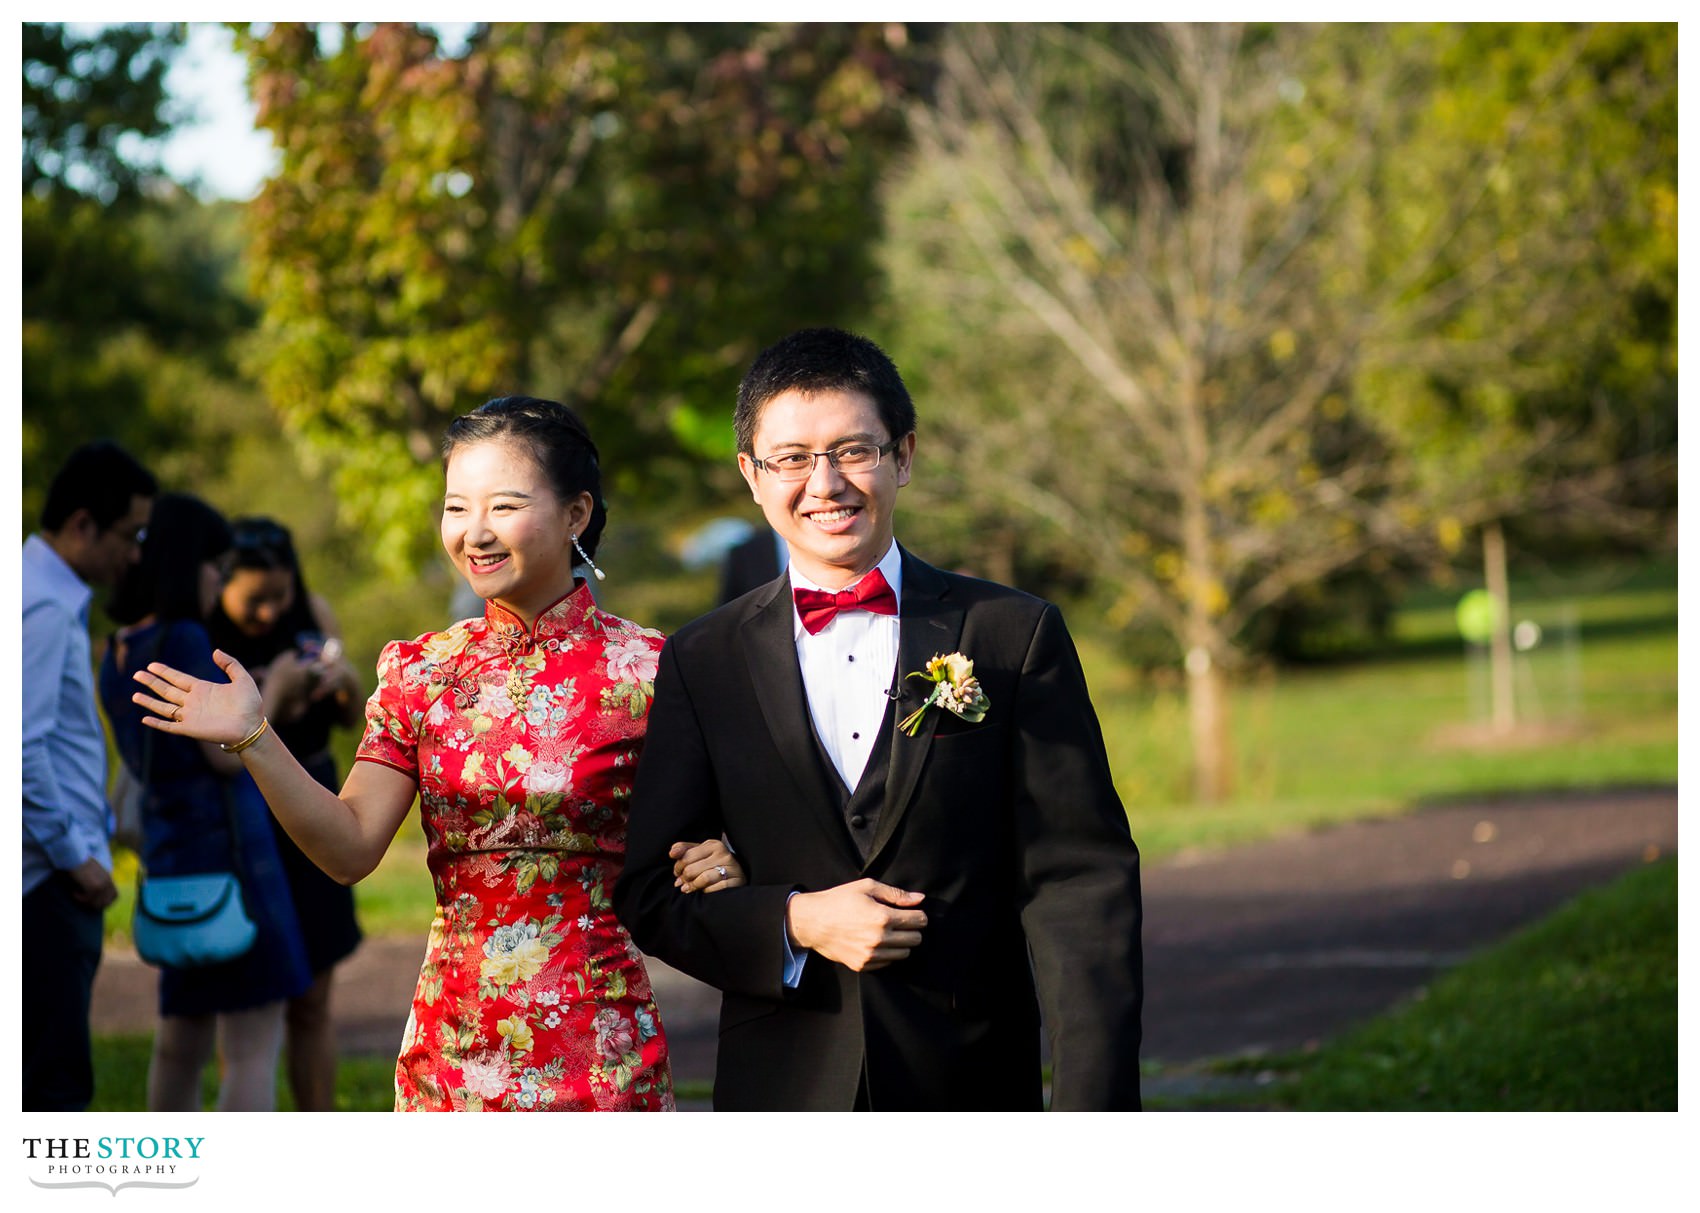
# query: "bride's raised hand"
x,y
225,713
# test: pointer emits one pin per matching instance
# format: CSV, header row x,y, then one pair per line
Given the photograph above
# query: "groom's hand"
x,y
863,925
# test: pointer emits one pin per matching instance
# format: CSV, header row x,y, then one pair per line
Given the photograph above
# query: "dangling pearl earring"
x,y
585,556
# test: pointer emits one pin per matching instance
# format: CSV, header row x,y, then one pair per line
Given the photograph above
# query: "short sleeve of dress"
x,y
393,713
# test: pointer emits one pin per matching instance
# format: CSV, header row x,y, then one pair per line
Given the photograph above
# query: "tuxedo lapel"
x,y
929,624
770,651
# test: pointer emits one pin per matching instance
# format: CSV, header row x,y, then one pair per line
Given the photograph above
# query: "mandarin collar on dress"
x,y
567,616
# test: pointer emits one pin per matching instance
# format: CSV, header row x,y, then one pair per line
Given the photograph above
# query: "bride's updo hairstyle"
x,y
557,440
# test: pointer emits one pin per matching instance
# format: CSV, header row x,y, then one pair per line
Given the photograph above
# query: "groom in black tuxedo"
x,y
913,901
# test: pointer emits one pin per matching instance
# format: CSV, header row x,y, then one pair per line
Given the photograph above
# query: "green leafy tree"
x,y
90,102
1236,311
617,216
109,287
1548,420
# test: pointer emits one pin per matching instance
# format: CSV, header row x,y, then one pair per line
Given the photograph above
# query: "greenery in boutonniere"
x,y
954,688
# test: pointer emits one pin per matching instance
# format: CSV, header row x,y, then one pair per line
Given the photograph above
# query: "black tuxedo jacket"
x,y
1011,827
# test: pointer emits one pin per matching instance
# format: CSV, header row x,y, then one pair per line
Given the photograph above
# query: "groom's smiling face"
x,y
836,524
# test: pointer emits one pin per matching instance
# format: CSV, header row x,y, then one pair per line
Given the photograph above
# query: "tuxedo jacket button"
x,y
858,821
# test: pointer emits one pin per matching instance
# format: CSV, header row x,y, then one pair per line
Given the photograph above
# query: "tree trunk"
x,y
1207,691
1498,585
1207,699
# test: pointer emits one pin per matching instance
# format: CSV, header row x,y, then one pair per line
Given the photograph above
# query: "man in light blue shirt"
x,y
91,528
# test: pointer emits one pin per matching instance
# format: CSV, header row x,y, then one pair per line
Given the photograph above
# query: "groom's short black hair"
x,y
822,360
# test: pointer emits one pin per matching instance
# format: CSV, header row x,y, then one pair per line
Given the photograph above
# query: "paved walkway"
x,y
1264,947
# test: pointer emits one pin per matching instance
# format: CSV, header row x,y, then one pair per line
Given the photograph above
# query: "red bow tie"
x,y
817,608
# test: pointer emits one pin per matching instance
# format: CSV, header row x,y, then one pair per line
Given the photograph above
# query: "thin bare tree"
x,y
1208,291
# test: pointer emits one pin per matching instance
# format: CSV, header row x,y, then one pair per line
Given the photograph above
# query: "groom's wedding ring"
x,y
721,870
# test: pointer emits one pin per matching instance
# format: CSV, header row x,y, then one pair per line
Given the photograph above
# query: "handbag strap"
x,y
147,771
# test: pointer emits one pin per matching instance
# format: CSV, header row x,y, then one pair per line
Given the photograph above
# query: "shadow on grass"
x,y
1428,648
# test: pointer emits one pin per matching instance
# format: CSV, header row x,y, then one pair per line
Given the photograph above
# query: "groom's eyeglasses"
x,y
852,457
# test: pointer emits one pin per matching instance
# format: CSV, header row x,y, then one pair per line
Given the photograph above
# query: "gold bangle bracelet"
x,y
247,741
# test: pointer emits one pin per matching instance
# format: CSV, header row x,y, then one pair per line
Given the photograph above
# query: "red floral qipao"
x,y
524,744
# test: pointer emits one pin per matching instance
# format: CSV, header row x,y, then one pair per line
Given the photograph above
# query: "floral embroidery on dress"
x,y
524,743
631,665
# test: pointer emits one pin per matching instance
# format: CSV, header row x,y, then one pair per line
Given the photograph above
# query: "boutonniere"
x,y
954,688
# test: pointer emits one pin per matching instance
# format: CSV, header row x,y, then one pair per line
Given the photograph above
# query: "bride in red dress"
x,y
519,732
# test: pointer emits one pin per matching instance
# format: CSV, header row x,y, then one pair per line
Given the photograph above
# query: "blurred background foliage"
x,y
1227,334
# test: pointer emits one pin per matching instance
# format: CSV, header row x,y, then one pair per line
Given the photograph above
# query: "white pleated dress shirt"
x,y
848,666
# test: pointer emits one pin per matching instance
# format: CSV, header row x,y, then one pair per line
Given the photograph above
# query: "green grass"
x,y
1326,744
363,1084
1576,1013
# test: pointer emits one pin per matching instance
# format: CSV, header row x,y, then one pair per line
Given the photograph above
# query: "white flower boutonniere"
x,y
954,688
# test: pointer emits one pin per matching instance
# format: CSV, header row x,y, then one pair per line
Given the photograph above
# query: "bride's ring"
x,y
176,712
721,870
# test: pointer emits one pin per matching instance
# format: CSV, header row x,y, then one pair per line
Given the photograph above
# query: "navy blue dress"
x,y
325,907
186,831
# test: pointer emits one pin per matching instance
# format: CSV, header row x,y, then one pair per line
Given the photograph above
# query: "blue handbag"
x,y
182,922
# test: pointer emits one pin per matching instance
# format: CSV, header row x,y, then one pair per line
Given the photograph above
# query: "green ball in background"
x,y
1478,612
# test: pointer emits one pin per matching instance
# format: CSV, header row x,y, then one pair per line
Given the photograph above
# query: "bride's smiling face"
x,y
505,529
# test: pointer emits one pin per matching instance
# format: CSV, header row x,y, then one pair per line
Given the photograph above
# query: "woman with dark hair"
x,y
519,732
201,812
289,641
